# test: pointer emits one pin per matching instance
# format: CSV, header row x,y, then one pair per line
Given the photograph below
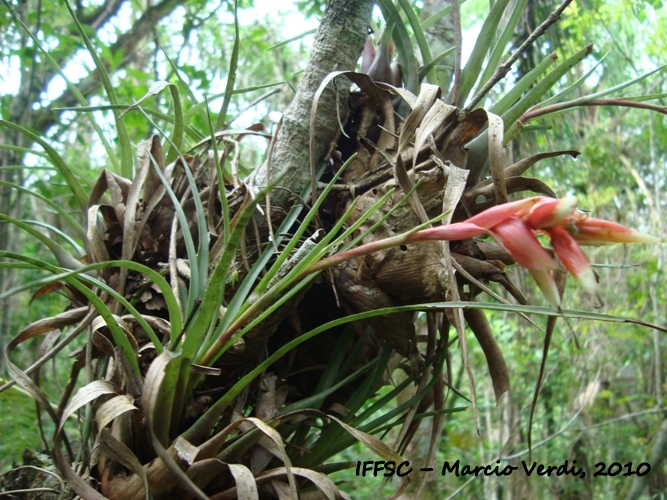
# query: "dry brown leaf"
x,y
111,409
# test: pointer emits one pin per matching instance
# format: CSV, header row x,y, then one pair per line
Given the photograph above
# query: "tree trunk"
x,y
338,44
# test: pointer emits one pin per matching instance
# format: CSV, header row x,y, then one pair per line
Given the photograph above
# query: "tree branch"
x,y
456,14
127,42
621,103
102,14
504,68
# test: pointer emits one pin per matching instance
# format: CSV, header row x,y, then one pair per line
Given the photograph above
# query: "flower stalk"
x,y
514,226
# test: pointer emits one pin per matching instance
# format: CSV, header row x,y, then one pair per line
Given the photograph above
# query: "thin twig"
x,y
458,39
504,68
269,157
624,103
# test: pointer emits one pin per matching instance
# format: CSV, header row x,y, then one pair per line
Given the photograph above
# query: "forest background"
x,y
601,401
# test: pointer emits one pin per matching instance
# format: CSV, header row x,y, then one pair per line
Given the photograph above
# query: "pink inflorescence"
x,y
514,226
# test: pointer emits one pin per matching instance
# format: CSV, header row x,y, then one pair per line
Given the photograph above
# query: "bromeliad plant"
x,y
218,361
513,226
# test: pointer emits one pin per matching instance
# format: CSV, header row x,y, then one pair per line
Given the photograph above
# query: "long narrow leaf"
x,y
435,17
248,284
293,39
303,227
123,136
427,68
496,54
535,94
220,176
162,381
60,164
79,275
64,258
199,260
473,67
213,413
602,93
79,249
518,89
73,223
418,33
576,85
403,44
176,140
231,72
19,149
72,88
209,310
187,235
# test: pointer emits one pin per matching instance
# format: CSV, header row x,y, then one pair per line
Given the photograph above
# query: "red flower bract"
x,y
573,258
513,226
517,238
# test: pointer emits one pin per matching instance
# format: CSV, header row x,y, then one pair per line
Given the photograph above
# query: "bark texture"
x,y
338,45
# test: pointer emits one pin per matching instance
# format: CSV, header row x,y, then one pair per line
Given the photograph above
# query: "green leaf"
x,y
162,407
73,223
123,136
58,162
293,39
231,72
434,18
535,94
418,33
501,44
207,314
487,34
71,87
74,278
427,68
604,92
403,43
64,258
518,89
